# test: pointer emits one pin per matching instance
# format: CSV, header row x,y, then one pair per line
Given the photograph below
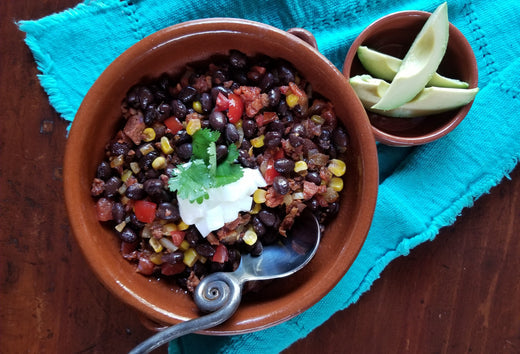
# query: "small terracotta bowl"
x,y
170,50
393,35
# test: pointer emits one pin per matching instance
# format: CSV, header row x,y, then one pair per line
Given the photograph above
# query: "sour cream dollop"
x,y
224,203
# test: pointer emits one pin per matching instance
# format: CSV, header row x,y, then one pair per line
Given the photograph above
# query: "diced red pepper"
x,y
145,210
221,254
270,173
177,237
222,102
145,266
174,124
236,108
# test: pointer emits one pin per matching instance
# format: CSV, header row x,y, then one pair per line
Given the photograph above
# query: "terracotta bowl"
x,y
394,34
169,50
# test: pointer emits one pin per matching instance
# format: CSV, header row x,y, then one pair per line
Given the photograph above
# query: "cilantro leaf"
x,y
228,171
201,140
212,159
191,182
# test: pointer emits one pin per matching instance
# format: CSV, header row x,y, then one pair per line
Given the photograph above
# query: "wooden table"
x,y
457,294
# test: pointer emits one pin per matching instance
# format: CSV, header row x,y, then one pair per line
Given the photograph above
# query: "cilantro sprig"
x,y
192,181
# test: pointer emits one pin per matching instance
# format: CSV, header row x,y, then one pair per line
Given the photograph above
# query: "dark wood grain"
x,y
459,293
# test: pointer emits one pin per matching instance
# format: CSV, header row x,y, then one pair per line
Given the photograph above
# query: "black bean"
x,y
249,127
150,115
132,97
313,204
254,76
246,160
231,133
145,162
153,187
267,81
128,235
193,236
185,151
217,120
205,250
314,177
267,217
246,145
237,59
299,130
276,126
104,171
219,77
324,139
151,173
285,74
135,223
340,139
163,112
187,94
295,139
181,137
272,139
219,89
257,249
205,102
258,226
273,97
112,186
118,212
145,97
173,257
222,151
135,191
240,77
118,148
284,166
168,211
281,185
178,109
233,258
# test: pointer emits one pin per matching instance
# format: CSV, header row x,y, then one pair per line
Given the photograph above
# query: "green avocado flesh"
x,y
420,62
429,101
385,67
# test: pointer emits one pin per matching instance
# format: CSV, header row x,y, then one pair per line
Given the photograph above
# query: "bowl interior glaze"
x,y
169,50
393,35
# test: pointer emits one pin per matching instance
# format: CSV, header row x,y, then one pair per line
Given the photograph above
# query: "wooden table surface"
x,y
457,294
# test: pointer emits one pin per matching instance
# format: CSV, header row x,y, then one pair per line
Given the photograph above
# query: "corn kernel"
x,y
258,142
166,146
134,166
156,245
168,228
159,163
337,167
250,237
146,149
119,227
292,100
336,183
148,134
202,259
197,106
298,195
318,119
300,166
126,175
122,189
184,245
259,196
156,258
182,226
256,209
190,257
146,233
192,126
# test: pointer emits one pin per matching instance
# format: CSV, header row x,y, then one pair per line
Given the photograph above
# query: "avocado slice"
x,y
420,63
385,67
430,100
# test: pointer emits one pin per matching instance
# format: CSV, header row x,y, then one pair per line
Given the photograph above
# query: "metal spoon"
x,y
220,293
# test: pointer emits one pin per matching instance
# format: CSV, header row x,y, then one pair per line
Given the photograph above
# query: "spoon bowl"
x,y
220,293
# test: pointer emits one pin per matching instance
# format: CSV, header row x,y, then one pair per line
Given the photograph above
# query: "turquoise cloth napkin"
x,y
73,47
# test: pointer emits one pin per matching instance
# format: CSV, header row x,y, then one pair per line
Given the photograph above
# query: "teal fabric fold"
x,y
422,189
